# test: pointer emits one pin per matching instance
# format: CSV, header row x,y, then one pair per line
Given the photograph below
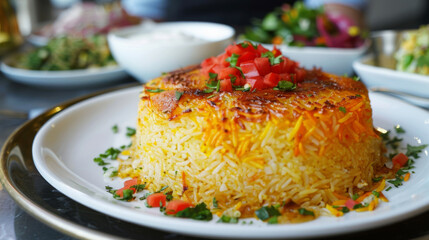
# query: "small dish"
x,y
59,79
333,60
148,50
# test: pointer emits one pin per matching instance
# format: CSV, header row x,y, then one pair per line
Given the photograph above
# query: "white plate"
x,y
333,60
381,77
65,146
69,78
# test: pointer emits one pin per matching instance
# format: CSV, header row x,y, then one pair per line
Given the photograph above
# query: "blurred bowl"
x,y
378,69
333,60
148,50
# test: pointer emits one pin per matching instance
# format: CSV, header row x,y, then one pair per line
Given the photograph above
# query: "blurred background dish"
x,y
147,51
378,69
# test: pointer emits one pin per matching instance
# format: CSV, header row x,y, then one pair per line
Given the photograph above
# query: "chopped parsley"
x,y
413,151
178,95
199,212
114,173
233,59
305,212
130,132
399,129
285,86
100,161
154,90
228,219
115,128
355,196
267,212
273,60
376,179
356,78
342,109
162,189
215,203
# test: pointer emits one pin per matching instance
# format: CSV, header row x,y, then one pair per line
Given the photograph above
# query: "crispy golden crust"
x,y
317,85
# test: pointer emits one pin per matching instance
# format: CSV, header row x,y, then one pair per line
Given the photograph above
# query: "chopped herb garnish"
x,y
169,196
244,44
154,90
342,109
127,195
114,173
228,219
305,212
233,59
100,161
178,95
355,196
388,188
375,193
130,132
162,189
285,86
273,220
399,129
396,182
199,212
359,205
233,78
413,151
115,129
358,95
273,60
376,179
356,78
215,203
139,187
266,212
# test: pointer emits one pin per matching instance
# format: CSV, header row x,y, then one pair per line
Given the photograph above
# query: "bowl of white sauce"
x,y
148,50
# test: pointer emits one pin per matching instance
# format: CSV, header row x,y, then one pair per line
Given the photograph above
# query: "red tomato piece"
x,y
218,68
350,203
226,72
263,65
400,159
131,182
276,51
249,69
120,192
288,65
277,68
256,83
226,85
285,77
271,79
156,199
208,61
235,49
175,206
262,49
245,57
221,60
300,74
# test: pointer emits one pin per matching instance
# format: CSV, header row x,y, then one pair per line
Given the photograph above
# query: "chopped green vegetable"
x,y
199,212
154,90
215,203
399,129
266,212
115,129
227,219
413,151
305,212
130,132
285,86
342,109
178,95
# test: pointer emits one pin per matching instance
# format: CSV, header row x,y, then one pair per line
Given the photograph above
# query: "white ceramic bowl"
x,y
333,60
146,60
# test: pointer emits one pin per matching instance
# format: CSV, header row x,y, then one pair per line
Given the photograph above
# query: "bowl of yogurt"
x,y
148,50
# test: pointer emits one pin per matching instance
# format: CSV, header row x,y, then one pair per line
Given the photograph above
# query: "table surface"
x,y
15,223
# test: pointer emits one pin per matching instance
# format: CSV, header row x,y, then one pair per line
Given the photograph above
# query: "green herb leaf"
x,y
285,86
413,151
399,129
130,132
273,220
342,109
305,212
154,90
266,212
233,59
355,196
100,161
215,203
376,179
375,193
227,219
115,129
212,76
139,187
178,95
199,212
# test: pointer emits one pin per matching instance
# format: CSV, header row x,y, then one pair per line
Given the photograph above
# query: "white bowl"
x,y
333,60
146,59
381,77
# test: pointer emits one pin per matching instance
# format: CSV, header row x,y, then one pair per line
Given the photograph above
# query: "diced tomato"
x,y
288,65
263,65
245,57
285,77
120,192
350,203
235,49
271,79
131,182
221,60
277,68
156,199
208,61
218,68
249,69
276,52
300,74
175,206
226,72
256,83
262,49
400,159
226,85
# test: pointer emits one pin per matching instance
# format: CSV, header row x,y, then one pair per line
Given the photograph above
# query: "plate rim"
x,y
373,224
56,222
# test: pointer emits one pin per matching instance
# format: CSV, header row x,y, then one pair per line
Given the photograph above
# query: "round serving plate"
x,y
36,196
